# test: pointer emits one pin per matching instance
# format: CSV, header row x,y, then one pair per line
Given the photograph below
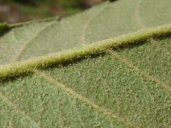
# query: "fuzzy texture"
x,y
42,37
112,90
28,66
112,81
16,25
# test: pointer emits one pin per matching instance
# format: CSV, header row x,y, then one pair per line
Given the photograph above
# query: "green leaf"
x,y
104,21
125,88
121,82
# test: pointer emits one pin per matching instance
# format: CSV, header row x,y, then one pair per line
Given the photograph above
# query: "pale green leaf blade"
x,y
104,21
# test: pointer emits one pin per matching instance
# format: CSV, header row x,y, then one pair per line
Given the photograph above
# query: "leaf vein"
x,y
25,45
156,46
83,39
83,99
138,17
13,106
143,74
139,20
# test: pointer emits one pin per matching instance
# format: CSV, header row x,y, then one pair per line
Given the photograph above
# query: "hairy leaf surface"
x,y
104,21
118,89
125,87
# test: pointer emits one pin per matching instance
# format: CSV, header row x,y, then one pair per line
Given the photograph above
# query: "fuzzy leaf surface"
x,y
122,88
104,21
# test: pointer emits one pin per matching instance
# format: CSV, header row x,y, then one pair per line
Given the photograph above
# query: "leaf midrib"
x,y
26,66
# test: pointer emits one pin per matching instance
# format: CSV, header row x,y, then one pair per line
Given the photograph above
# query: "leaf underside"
x,y
128,87
104,21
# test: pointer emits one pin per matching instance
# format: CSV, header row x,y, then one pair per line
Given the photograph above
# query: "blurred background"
x,y
13,11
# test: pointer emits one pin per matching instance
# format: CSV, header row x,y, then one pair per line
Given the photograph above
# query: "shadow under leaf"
x,y
4,28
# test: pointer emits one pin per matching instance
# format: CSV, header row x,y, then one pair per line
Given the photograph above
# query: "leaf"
x,y
104,21
128,86
21,68
125,88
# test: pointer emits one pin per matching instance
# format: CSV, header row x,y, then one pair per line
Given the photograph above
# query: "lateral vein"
x,y
70,91
142,73
13,106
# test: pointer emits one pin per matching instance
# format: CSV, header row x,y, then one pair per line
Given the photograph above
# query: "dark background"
x,y
13,11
